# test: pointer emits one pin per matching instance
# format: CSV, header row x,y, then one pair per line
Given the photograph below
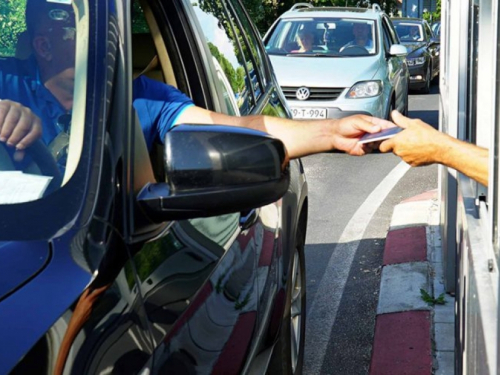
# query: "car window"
x,y
220,34
249,48
409,31
388,37
393,36
428,31
65,29
331,36
436,29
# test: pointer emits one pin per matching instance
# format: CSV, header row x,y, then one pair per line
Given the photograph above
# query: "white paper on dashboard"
x,y
18,187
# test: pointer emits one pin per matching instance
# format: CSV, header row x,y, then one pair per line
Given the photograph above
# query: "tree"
x,y
11,23
264,13
433,16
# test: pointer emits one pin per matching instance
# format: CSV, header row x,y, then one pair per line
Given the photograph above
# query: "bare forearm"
x,y
466,158
300,138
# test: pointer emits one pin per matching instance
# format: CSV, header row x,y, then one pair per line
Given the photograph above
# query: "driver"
x,y
40,93
362,37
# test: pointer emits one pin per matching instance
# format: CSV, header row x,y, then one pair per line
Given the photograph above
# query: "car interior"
x,y
150,58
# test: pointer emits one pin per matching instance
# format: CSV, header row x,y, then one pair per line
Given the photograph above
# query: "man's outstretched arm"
x,y
420,144
301,138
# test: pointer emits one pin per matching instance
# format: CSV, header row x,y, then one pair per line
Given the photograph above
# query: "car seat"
x,y
144,57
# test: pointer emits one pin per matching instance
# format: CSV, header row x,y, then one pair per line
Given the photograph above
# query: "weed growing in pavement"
x,y
426,297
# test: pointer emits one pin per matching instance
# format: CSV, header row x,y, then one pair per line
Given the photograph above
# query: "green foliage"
x,y
235,77
11,23
263,13
426,297
139,24
433,16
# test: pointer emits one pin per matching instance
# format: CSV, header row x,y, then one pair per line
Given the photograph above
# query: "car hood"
x,y
324,71
413,46
19,262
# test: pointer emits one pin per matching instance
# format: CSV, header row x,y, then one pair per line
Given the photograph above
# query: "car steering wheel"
x,y
44,160
354,51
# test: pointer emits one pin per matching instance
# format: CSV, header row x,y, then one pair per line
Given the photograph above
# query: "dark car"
x,y
185,259
436,29
423,51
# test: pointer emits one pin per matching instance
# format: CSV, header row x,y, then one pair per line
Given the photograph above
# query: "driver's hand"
x,y
349,130
19,127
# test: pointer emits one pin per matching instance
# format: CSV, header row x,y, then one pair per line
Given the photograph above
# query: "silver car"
x,y
334,62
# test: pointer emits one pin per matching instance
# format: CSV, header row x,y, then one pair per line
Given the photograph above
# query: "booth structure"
x,y
417,8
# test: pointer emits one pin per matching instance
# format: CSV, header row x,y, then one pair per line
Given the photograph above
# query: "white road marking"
x,y
323,311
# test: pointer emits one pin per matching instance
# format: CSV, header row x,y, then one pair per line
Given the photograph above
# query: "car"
x,y
185,259
423,51
336,78
436,29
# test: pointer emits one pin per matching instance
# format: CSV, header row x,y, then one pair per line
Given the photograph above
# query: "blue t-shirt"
x,y
20,82
158,106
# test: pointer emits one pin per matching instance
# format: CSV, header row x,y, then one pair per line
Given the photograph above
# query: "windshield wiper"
x,y
311,55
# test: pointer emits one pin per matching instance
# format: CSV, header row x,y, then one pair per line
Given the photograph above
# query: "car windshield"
x,y
409,32
325,37
43,64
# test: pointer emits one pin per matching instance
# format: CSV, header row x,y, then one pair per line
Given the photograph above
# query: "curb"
x,y
412,336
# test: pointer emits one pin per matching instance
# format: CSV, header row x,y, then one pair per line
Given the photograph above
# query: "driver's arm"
x,y
19,126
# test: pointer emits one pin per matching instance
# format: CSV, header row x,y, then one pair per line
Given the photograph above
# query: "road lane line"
x,y
322,314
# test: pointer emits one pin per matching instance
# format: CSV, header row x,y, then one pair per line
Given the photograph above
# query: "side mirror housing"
x,y
213,170
398,50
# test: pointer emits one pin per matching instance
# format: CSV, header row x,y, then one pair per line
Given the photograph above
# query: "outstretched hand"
x,y
417,145
19,126
350,130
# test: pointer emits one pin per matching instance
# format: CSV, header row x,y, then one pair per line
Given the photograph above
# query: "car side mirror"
x,y
214,170
398,50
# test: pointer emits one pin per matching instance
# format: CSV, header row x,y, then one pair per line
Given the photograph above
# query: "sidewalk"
x,y
411,335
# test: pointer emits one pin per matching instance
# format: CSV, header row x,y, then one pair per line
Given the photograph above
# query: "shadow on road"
x,y
350,338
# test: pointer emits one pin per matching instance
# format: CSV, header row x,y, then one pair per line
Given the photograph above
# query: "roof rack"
x,y
301,5
376,7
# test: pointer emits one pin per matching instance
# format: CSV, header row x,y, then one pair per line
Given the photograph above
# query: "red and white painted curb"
x,y
404,327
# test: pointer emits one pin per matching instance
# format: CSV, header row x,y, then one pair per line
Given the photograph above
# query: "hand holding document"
x,y
381,135
18,187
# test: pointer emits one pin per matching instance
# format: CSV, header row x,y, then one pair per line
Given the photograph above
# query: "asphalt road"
x,y
351,203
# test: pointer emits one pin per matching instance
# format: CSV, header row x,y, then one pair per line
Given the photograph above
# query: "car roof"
x,y
306,10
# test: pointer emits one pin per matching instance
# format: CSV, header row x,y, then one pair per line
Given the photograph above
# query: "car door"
x,y
396,66
433,46
201,279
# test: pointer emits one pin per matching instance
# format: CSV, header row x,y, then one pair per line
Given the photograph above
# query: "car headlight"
x,y
416,61
365,89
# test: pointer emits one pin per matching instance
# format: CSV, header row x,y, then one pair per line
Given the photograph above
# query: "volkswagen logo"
x,y
302,93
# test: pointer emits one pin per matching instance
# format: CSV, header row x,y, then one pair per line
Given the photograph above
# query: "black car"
x,y
436,29
186,259
423,51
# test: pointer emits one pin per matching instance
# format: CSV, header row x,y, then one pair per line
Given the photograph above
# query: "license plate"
x,y
308,113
